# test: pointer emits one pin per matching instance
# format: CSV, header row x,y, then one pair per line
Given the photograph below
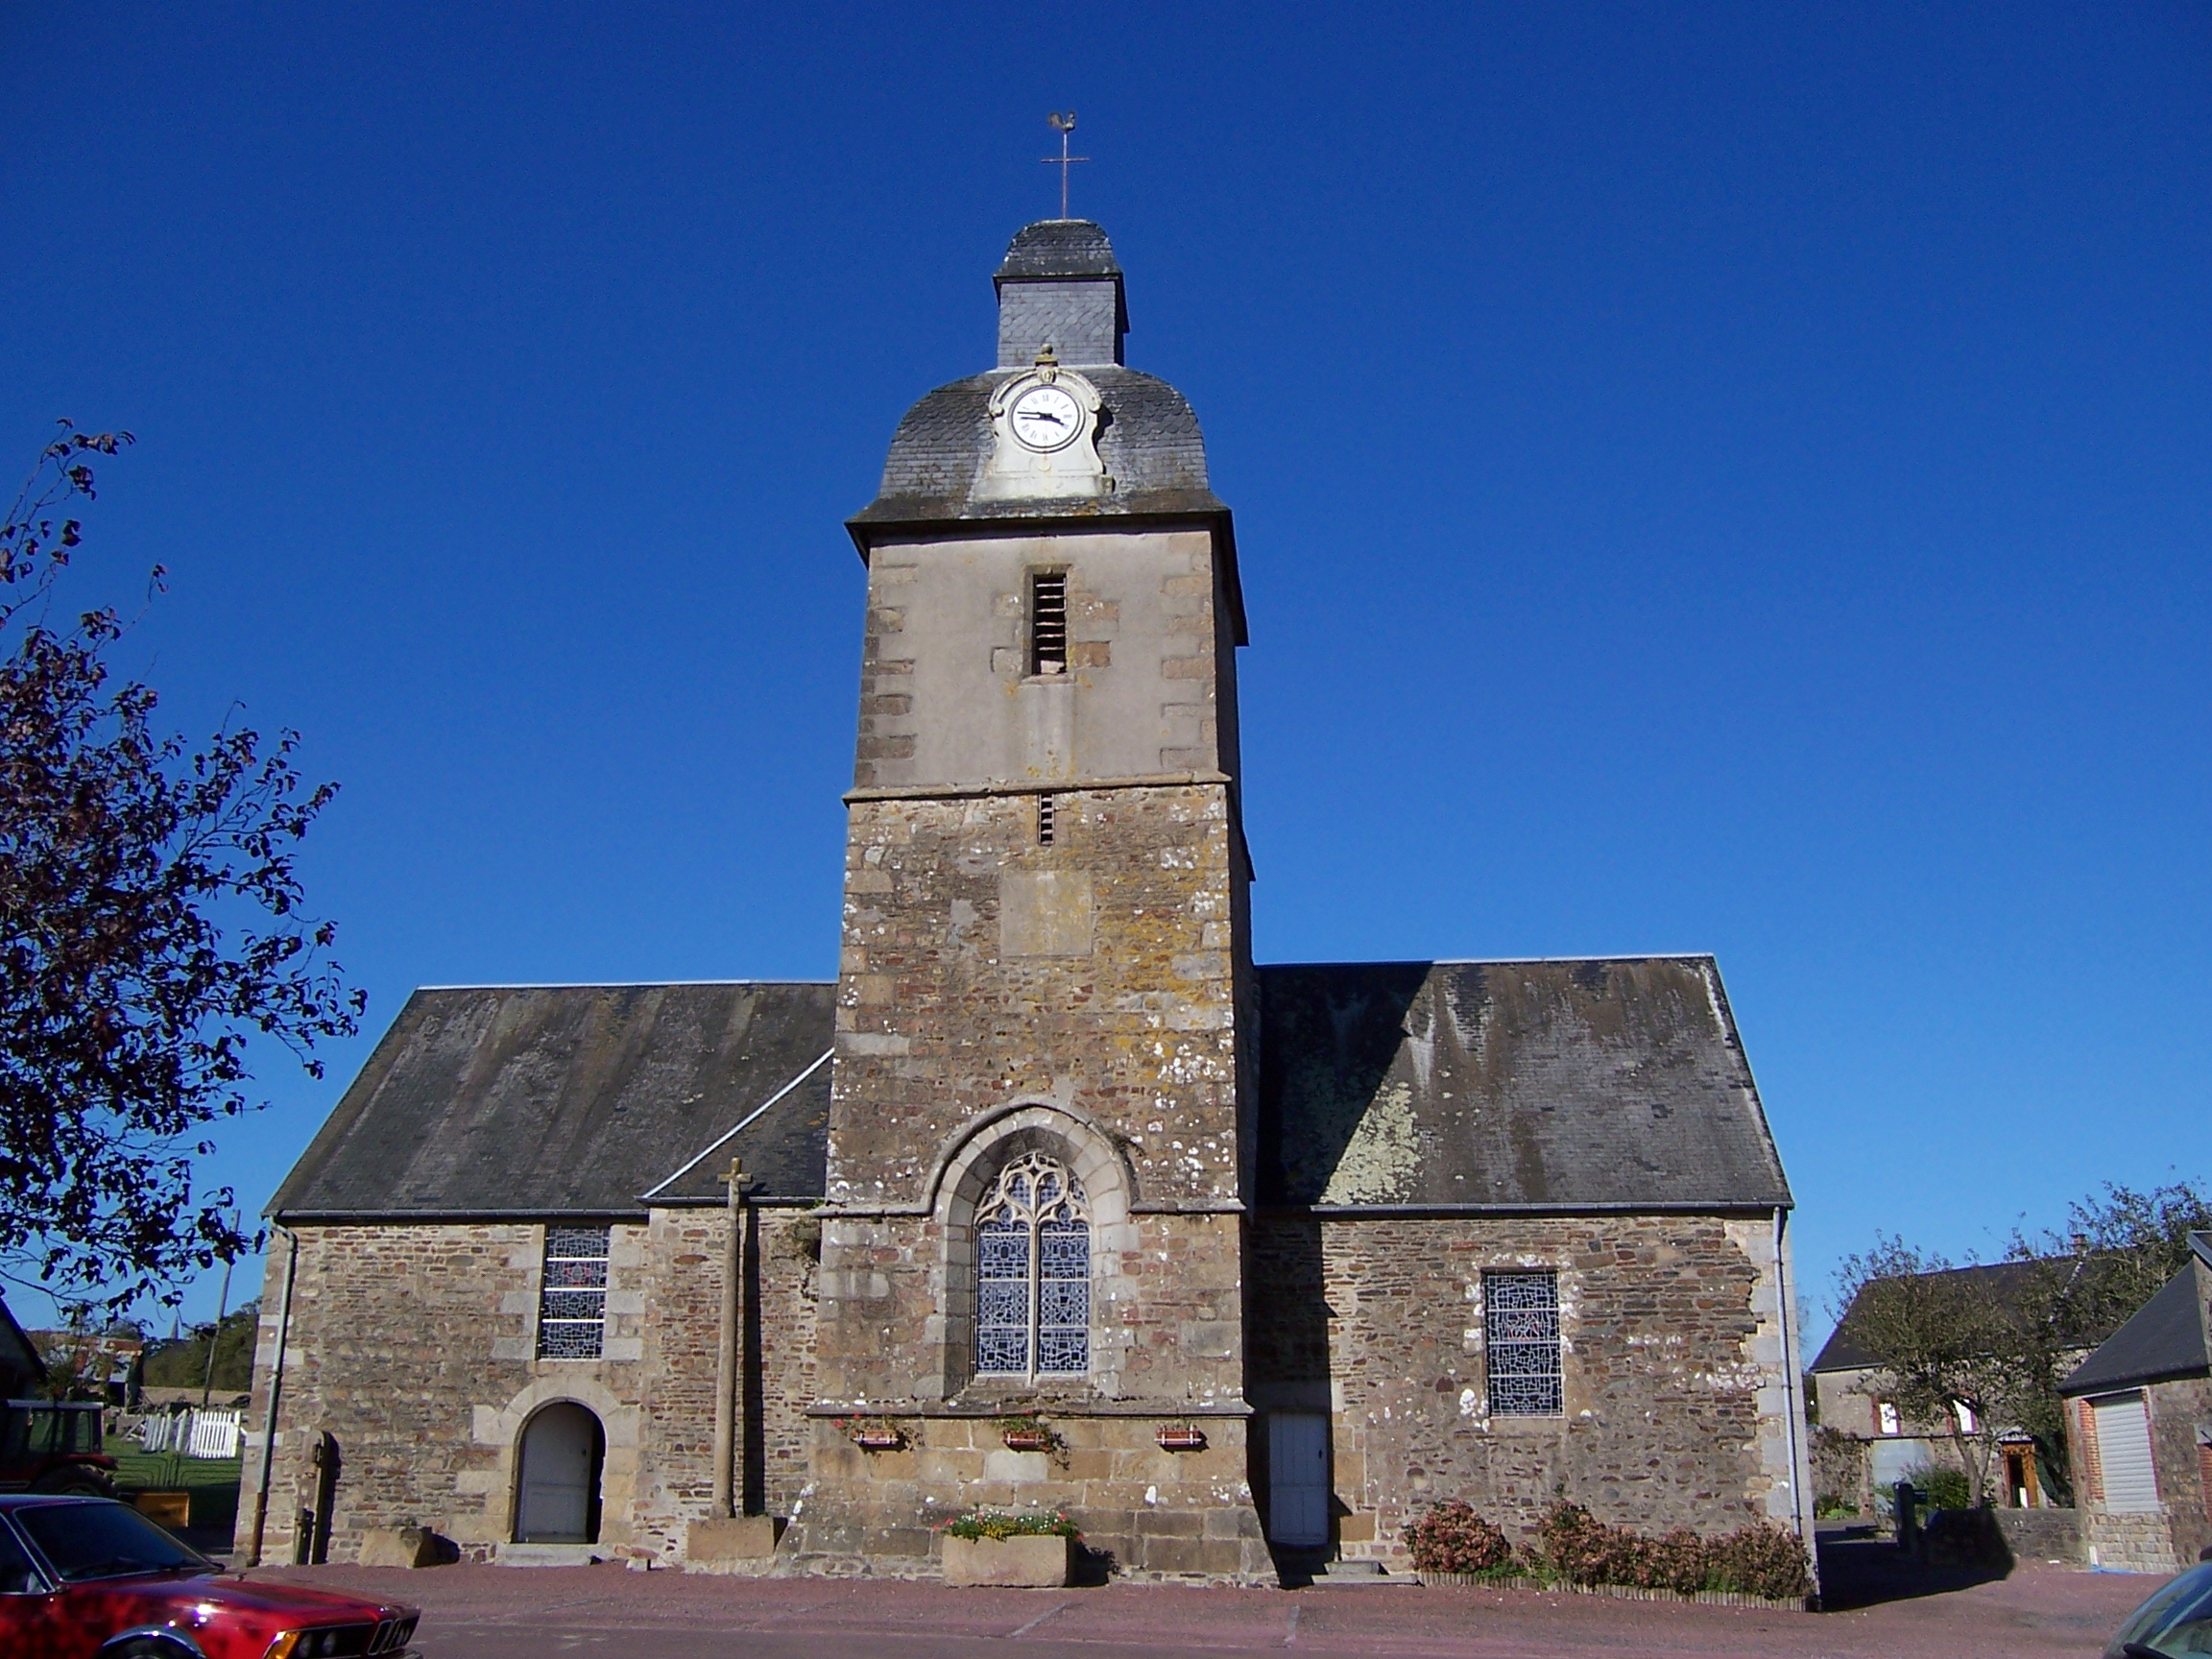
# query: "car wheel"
x,y
146,1647
74,1484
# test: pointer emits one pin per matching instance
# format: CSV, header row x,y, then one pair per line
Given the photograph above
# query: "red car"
x,y
91,1579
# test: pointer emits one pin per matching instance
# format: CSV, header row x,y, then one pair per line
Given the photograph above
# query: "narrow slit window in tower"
x,y
1047,622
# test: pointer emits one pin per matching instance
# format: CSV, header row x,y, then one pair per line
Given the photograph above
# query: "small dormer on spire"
x,y
1060,287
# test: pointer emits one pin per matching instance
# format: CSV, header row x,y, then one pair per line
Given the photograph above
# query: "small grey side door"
x,y
1298,1478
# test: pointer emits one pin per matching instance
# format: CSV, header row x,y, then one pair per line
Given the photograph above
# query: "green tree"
x,y
2001,1345
2084,1281
150,932
183,1362
1945,1340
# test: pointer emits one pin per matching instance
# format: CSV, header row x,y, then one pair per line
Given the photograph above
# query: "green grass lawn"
x,y
212,1481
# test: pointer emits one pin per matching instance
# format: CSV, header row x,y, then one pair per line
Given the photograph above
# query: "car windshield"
x,y
2177,1621
99,1539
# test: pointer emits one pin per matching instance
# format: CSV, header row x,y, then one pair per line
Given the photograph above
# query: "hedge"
x,y
1573,1545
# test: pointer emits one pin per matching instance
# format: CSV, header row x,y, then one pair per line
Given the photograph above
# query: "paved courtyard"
x,y
515,1613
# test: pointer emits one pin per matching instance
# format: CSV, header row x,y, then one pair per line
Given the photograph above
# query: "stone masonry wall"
x,y
415,1348
1155,1513
945,1016
1118,998
684,1261
1675,1412
2180,1413
1127,1020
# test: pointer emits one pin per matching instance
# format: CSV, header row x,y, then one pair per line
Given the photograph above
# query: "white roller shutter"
x,y
2123,1454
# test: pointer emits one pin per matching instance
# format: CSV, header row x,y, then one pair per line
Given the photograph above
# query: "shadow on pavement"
x,y
1859,1569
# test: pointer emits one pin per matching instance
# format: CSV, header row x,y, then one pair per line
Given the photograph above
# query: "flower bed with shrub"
x,y
1572,1547
1942,1488
1004,1523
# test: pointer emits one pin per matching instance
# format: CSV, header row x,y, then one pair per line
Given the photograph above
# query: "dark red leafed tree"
x,y
151,935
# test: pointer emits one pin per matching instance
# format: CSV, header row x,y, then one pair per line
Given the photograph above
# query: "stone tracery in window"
x,y
1033,1271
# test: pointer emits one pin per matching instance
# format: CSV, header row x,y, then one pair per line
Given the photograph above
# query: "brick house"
x,y
1278,1255
2140,1411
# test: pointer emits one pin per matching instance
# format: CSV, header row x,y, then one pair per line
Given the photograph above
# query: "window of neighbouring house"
x,y
572,1304
1885,1417
1033,1272
1521,1344
1968,1422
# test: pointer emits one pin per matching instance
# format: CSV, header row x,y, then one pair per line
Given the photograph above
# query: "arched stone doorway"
x,y
556,1490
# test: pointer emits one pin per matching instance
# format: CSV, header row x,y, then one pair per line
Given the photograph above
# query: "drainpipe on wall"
x,y
276,1394
1793,1415
728,1378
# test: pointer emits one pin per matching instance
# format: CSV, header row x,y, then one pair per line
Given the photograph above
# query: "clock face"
x,y
1046,417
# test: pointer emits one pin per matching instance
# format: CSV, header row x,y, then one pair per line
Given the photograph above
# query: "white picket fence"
x,y
210,1434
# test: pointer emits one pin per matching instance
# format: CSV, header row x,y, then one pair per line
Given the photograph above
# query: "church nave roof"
x,y
574,1101
1576,1085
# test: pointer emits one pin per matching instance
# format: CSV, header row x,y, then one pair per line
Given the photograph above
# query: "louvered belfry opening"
x,y
1044,817
1047,622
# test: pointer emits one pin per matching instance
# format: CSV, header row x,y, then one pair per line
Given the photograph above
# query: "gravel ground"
x,y
510,1613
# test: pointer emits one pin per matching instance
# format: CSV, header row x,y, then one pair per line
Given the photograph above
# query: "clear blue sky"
x,y
1723,478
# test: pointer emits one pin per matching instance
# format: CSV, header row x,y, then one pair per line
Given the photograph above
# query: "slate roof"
x,y
1149,443
1576,1086
2167,1337
1846,1350
1594,1084
1058,248
543,1100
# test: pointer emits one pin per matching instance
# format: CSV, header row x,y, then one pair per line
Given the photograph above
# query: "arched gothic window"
x,y
1033,1271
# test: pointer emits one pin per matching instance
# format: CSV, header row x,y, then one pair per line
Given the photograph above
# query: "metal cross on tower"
x,y
1062,124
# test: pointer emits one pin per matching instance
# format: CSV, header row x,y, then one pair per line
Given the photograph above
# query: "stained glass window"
x,y
572,1305
1521,1339
1033,1272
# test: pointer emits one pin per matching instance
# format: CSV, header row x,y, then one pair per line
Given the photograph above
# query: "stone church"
x,y
1053,1198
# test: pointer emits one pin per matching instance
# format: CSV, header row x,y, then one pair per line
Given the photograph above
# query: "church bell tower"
x,y
1039,1155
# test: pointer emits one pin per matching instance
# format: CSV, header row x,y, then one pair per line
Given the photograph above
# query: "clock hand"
x,y
1042,415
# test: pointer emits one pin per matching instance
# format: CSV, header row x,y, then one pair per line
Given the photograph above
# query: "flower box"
x,y
1037,1562
1027,1439
1182,1437
878,1439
